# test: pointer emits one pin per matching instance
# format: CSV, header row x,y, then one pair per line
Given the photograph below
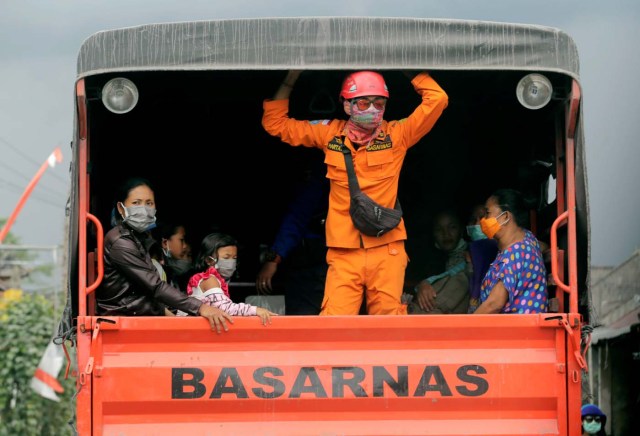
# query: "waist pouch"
x,y
372,219
368,217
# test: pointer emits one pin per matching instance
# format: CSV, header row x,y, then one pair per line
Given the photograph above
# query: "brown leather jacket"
x,y
131,284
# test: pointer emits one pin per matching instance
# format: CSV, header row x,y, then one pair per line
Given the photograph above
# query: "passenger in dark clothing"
x,y
301,247
131,284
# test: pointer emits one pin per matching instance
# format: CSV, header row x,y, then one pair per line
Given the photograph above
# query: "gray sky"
x,y
39,42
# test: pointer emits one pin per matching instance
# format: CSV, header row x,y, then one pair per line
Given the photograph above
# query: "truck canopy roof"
x,y
330,43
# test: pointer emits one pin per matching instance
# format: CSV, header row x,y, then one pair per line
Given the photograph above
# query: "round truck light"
x,y
119,95
534,91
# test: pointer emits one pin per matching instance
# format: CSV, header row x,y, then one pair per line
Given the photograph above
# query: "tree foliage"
x,y
25,330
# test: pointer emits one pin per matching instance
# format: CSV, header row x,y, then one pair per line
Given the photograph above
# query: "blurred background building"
x,y
614,355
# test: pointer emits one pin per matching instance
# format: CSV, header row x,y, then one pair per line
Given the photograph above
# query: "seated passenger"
x,y
446,292
177,264
517,279
131,284
215,264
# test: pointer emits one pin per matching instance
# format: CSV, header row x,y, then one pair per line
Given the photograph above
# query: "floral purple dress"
x,y
521,269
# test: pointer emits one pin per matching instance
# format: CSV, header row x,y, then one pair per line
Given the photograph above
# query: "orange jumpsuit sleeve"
x,y
407,132
276,122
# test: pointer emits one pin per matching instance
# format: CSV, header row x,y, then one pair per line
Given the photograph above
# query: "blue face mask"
x,y
591,427
475,232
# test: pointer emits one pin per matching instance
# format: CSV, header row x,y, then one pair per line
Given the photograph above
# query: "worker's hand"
x,y
263,279
265,315
216,317
426,296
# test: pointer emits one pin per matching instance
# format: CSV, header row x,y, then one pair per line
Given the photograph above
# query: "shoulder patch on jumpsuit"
x,y
325,122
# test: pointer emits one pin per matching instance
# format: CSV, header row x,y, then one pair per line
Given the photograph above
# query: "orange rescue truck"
x,y
181,104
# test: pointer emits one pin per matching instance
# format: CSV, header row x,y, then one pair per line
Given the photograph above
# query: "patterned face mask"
x,y
370,118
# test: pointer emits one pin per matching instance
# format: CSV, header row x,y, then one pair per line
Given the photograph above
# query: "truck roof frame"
x,y
334,43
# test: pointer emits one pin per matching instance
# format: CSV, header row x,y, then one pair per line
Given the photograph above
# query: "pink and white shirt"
x,y
217,297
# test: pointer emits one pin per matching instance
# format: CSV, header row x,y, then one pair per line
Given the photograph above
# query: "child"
x,y
215,264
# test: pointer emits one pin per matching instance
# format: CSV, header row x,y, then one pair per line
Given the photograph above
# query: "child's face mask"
x,y
226,267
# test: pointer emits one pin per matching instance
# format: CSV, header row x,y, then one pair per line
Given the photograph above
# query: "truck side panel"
x,y
449,375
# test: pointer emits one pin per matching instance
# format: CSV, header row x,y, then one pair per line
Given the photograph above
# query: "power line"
x,y
51,191
19,189
37,164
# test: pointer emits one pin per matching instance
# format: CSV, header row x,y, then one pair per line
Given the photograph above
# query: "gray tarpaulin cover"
x,y
329,43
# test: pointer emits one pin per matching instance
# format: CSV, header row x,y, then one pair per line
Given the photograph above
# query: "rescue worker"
x,y
359,263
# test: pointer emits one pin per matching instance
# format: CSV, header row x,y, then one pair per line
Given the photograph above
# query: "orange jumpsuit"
x,y
356,261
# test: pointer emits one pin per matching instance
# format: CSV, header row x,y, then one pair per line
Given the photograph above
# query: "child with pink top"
x,y
216,263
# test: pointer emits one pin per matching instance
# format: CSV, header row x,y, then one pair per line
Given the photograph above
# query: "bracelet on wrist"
x,y
287,85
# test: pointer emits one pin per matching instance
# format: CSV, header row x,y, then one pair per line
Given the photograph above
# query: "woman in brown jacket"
x,y
132,285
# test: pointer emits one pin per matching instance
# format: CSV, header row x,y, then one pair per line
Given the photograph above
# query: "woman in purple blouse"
x,y
517,279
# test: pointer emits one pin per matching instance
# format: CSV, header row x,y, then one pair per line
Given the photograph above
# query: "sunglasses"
x,y
364,103
592,418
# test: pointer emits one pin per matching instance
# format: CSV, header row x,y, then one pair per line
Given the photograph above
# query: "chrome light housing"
x,y
534,91
120,95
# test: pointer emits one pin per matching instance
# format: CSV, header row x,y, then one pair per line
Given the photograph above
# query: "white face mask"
x,y
139,218
226,267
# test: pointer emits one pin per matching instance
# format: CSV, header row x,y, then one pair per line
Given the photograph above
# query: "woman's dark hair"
x,y
513,201
130,184
209,247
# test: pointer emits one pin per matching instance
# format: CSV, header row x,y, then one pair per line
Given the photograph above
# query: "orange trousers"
x,y
378,272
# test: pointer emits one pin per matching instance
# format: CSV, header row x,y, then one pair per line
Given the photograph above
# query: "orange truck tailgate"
x,y
366,375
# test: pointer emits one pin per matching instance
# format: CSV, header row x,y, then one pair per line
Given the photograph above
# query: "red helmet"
x,y
363,83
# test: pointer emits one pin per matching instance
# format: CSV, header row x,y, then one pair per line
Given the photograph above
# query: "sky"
x,y
40,40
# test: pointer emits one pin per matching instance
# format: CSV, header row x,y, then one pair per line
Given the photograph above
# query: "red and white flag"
x,y
44,379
